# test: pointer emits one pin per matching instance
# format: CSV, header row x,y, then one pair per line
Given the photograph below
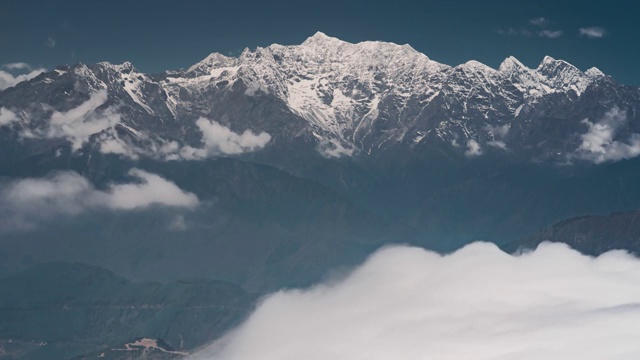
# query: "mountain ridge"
x,y
339,99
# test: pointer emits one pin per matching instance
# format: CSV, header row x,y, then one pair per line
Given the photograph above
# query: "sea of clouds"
x,y
478,303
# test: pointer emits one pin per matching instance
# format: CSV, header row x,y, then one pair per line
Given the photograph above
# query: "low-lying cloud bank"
x,y
25,202
478,303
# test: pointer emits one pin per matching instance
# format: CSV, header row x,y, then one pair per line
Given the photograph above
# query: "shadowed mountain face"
x,y
58,310
593,235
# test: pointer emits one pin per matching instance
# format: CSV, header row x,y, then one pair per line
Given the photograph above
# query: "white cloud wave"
x,y
598,144
220,140
478,303
25,202
593,32
8,80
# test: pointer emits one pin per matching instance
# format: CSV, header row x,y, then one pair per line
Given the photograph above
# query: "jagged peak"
x,y
217,57
549,62
320,38
475,65
510,64
594,72
124,67
213,60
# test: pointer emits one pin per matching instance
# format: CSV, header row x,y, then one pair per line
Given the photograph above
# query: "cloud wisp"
x,y
25,202
93,120
598,144
473,149
539,21
593,32
17,66
24,70
78,124
498,133
478,303
7,117
536,27
221,140
550,34
50,43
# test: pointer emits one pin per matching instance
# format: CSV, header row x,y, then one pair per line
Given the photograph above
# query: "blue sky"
x,y
159,35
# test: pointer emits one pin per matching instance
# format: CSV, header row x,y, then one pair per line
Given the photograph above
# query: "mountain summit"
x,y
336,99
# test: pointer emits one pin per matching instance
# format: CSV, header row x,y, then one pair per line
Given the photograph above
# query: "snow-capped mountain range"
x,y
334,98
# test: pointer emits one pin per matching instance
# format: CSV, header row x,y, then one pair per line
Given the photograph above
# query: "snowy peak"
x,y
215,60
562,76
476,67
511,65
595,73
551,67
321,39
348,91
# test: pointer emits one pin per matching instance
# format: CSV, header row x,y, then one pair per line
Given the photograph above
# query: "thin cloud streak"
x,y
25,203
541,21
550,34
593,32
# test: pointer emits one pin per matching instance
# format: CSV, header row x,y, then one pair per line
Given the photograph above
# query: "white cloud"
x,y
111,143
473,148
598,144
220,140
550,34
540,21
498,132
333,148
514,32
27,201
80,123
17,66
50,43
478,303
593,32
152,190
8,80
178,223
499,144
7,117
